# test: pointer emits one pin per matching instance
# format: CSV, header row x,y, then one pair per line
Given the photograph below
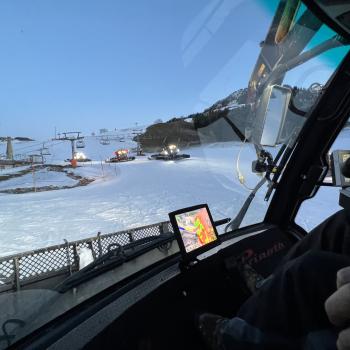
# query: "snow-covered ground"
x,y
137,193
123,195
39,178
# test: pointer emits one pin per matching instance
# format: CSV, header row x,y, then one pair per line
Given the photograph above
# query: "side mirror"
x,y
339,164
271,115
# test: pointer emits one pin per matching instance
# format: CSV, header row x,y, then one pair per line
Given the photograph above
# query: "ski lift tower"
x,y
71,136
9,149
44,151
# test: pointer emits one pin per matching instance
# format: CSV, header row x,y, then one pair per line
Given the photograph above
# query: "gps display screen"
x,y
196,228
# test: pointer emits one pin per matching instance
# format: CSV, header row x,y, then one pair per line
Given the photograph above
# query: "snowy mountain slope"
x,y
235,99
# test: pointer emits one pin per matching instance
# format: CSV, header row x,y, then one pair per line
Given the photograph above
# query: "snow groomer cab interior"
x,y
294,112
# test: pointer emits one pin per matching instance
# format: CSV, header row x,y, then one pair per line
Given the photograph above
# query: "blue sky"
x,y
87,64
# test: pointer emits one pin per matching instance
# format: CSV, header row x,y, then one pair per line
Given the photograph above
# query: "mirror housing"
x,y
339,163
271,115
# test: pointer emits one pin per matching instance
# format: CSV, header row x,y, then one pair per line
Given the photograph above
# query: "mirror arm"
x,y
234,128
258,149
329,44
290,46
283,154
292,106
293,44
275,170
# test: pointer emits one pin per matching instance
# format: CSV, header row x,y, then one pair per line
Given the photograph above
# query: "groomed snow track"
x,y
44,267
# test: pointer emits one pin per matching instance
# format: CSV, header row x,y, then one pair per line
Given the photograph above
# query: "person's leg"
x,y
286,310
295,296
332,235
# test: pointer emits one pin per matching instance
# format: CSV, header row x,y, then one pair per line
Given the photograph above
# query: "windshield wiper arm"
x,y
114,258
237,220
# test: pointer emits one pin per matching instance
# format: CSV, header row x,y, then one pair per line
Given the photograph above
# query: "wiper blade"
x,y
114,258
237,220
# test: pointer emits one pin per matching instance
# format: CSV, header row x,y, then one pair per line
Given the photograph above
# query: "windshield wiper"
x,y
115,257
237,220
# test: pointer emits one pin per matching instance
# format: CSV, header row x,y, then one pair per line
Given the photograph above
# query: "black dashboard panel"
x,y
156,308
165,319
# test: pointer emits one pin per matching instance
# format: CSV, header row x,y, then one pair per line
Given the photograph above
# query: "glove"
x,y
338,308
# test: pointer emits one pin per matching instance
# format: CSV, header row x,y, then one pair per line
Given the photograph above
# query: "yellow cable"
x,y
240,176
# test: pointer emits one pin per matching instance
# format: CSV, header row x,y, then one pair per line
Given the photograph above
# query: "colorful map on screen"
x,y
196,229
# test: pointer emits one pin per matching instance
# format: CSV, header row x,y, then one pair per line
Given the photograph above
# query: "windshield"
x,y
115,114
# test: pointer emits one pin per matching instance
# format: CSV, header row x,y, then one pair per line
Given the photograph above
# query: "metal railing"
x,y
29,267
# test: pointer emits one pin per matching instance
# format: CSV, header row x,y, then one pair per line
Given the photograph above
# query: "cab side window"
x,y
326,201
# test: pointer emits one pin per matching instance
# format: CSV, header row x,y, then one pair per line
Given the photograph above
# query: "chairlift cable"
x,y
36,144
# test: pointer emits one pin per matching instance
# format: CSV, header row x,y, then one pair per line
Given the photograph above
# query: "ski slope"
x,y
140,192
123,195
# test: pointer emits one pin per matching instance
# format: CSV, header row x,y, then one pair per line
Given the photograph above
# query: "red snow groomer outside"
x,y
121,155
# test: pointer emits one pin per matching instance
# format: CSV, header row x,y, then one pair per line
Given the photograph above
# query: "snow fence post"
x,y
163,228
16,273
131,237
99,243
68,257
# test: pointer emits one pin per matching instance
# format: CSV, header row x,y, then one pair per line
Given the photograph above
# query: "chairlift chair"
x,y
80,144
105,141
45,151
